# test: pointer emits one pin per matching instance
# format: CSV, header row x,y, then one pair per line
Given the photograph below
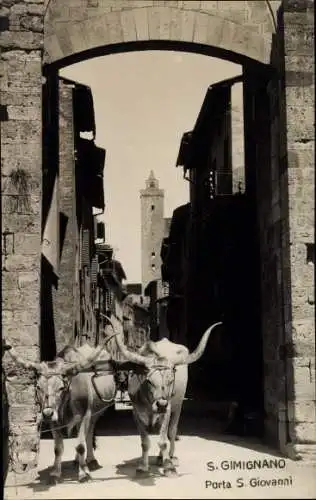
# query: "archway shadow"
x,y
207,425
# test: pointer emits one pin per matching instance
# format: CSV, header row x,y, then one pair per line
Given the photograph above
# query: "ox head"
x,y
159,382
53,379
159,371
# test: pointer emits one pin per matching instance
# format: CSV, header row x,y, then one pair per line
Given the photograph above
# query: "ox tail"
x,y
199,351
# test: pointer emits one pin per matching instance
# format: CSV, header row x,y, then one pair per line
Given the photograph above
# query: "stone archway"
x,y
240,29
54,33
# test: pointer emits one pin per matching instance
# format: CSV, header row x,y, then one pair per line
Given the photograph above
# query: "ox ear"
x,y
143,349
60,362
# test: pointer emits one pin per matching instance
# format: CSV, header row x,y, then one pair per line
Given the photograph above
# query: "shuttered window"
x,y
85,247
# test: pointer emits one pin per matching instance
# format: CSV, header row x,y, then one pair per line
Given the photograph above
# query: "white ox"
x,y
157,392
70,396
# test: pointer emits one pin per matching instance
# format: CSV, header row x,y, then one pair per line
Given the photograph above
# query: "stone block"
x,y
202,28
19,299
141,22
154,21
37,9
303,432
26,278
22,112
29,416
7,317
187,23
300,123
128,25
64,38
32,23
238,12
22,40
20,99
303,411
26,352
301,383
114,27
209,6
9,281
298,40
14,262
27,244
21,223
13,331
299,63
21,394
25,318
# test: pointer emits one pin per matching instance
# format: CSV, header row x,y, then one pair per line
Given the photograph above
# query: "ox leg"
x,y
92,462
81,448
172,436
168,466
143,468
55,473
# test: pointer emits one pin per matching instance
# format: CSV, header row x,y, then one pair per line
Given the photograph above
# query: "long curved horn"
x,y
28,365
126,353
195,355
85,363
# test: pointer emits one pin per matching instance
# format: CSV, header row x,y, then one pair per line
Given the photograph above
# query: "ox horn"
x,y
195,355
28,365
85,363
133,357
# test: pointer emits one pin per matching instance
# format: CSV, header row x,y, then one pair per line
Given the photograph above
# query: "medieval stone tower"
x,y
152,229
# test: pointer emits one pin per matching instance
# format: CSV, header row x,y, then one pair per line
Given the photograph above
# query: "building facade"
x,y
73,188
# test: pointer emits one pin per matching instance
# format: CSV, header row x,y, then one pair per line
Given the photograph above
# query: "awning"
x,y
84,117
90,166
184,149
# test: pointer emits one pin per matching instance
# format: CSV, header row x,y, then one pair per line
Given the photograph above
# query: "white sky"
x,y
143,102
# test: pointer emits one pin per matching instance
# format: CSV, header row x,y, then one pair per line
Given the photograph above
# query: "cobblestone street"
x,y
119,454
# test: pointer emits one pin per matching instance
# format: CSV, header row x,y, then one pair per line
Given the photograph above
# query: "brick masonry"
x,y
244,28
64,296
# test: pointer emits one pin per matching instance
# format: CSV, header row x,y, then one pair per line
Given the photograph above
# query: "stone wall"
x,y
286,215
297,176
21,43
238,153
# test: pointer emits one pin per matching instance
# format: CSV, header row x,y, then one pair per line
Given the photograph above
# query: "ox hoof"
x,y
175,461
169,469
170,472
159,461
53,480
94,465
85,478
177,438
142,472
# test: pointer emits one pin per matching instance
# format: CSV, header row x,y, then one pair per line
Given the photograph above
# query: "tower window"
x,y
153,267
153,207
153,255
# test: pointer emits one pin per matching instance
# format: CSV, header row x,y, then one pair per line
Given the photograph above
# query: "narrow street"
x,y
118,451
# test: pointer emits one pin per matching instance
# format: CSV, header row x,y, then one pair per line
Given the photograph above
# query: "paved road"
x,y
119,454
